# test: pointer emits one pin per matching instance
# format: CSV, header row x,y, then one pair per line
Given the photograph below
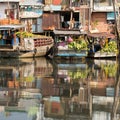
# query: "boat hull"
x,y
102,55
37,52
71,54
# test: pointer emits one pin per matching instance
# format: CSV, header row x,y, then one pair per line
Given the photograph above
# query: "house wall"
x,y
101,19
3,6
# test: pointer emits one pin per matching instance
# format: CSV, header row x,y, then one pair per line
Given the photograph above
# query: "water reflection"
x,y
20,87
43,89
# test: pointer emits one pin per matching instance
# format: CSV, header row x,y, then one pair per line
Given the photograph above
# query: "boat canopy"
x,y
11,27
67,32
102,34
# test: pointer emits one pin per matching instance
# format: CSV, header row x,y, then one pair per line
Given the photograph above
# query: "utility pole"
x,y
116,29
116,93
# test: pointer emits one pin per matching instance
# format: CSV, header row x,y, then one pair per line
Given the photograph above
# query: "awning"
x,y
10,27
32,3
31,14
67,32
9,0
102,34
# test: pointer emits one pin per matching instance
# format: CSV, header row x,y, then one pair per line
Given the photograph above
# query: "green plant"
x,y
109,69
24,34
110,47
28,34
78,44
78,74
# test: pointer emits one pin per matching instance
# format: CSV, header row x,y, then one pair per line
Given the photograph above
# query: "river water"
x,y
45,89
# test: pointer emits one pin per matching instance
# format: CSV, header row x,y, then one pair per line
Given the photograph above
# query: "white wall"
x,y
4,6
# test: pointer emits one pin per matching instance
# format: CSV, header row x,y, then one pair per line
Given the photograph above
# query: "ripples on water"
x,y
44,89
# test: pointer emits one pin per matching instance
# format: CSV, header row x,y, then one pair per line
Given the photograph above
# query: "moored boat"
x,y
102,55
101,45
69,44
22,44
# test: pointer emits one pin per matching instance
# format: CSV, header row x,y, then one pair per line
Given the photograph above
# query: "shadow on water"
x,y
40,88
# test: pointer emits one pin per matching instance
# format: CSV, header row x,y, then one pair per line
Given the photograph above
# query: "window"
x,y
103,2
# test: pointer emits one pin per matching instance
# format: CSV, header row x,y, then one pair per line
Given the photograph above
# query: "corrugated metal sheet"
x,y
65,2
51,21
102,34
67,32
33,28
55,7
48,2
52,8
39,25
57,2
31,2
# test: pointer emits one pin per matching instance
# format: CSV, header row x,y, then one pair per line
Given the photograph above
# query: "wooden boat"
x,y
71,53
67,44
15,46
101,46
101,55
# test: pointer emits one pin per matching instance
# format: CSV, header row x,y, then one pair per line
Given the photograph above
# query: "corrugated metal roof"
x,y
31,2
9,27
101,34
67,32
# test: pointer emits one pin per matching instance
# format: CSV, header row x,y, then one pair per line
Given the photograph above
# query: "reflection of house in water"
x,y
24,73
21,85
88,98
21,103
105,90
73,95
75,106
43,68
54,107
103,77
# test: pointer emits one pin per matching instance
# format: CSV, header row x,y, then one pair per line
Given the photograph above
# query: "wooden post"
x,y
21,37
14,35
8,12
